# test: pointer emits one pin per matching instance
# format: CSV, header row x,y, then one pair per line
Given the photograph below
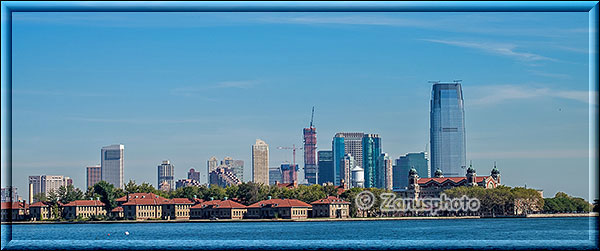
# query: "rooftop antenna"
x,y
433,81
457,81
312,116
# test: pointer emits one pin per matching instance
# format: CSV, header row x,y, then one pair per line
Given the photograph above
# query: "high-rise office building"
x,y
112,164
94,174
228,161
46,184
274,175
342,144
418,161
260,162
223,177
237,167
325,166
212,164
385,172
371,149
193,175
310,154
289,173
447,129
346,169
9,194
166,173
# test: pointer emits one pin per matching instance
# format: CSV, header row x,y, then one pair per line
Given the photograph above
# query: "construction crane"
x,y
293,148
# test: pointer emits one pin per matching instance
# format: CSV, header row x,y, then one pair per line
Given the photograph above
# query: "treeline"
x,y
563,203
501,200
504,200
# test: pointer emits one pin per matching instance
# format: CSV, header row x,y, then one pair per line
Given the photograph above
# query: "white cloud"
x,y
499,93
494,48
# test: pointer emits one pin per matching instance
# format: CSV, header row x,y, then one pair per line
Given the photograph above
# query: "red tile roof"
x,y
40,204
84,203
178,201
456,180
117,209
330,200
145,201
441,180
14,205
139,196
279,203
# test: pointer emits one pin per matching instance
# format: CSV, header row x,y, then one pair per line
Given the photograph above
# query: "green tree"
x,y
69,193
107,194
215,192
189,192
40,197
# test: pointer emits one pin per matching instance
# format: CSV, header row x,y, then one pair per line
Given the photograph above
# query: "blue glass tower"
x,y
371,149
325,166
418,161
339,151
447,130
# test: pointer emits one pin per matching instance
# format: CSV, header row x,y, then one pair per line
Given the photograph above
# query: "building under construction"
x,y
310,152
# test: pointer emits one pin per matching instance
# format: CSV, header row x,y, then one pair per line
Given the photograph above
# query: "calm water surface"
x,y
516,233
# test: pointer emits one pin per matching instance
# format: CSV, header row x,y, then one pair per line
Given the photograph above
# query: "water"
x,y
513,233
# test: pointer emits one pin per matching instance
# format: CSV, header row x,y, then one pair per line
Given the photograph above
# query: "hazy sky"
x,y
187,86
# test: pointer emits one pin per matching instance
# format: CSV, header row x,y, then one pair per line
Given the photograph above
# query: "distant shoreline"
x,y
567,215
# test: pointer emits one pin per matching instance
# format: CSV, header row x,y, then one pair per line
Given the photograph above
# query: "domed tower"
x,y
496,174
413,184
413,178
438,173
471,176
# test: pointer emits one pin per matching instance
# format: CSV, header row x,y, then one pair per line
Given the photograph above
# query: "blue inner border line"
x,y
302,6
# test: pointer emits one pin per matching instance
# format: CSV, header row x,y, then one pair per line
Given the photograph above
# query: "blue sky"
x,y
187,86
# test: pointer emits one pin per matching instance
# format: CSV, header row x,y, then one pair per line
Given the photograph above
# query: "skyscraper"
x,y
237,167
346,169
9,194
384,172
289,173
325,166
260,162
310,154
447,130
212,164
112,164
418,161
46,184
223,177
371,149
166,171
94,174
342,144
274,175
193,175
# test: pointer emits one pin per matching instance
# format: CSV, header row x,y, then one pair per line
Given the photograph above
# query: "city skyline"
x,y
222,110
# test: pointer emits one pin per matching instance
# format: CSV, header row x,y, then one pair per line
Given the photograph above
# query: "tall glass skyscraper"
x,y
325,166
111,163
371,149
447,130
